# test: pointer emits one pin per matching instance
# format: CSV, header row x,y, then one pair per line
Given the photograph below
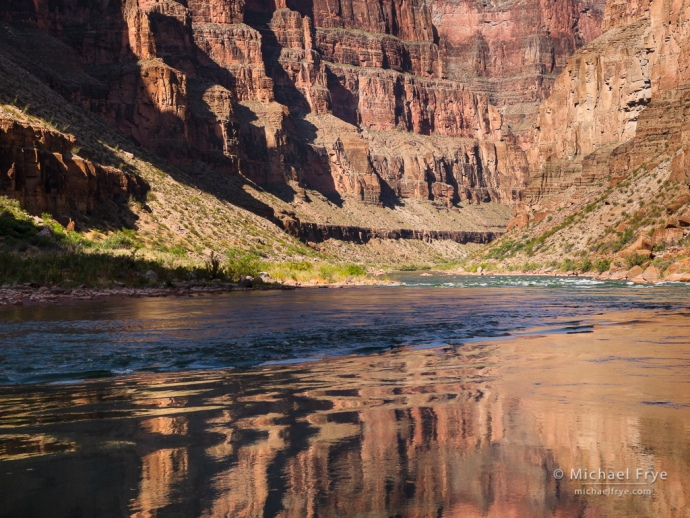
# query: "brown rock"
x,y
679,267
38,168
672,223
622,227
651,274
677,203
667,236
678,277
512,50
518,222
684,221
642,243
634,272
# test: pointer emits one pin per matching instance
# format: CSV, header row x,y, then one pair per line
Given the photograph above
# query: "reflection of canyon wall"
x,y
229,84
407,438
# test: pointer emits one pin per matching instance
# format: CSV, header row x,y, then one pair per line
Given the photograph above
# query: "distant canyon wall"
x,y
233,84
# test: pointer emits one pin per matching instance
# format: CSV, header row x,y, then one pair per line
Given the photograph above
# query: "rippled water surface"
x,y
122,336
447,397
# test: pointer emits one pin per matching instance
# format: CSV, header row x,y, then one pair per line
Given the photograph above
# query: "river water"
x,y
449,396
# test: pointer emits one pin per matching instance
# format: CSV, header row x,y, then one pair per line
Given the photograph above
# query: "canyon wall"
x,y
229,83
42,169
620,104
522,44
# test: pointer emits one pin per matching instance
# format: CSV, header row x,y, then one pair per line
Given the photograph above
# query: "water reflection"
x,y
463,431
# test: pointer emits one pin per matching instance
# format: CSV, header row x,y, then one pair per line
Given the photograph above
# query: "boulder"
x,y
651,274
45,232
677,203
678,277
151,276
247,282
634,272
679,267
667,236
672,222
622,227
684,221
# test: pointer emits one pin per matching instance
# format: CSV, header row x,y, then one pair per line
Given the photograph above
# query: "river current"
x,y
446,397
115,337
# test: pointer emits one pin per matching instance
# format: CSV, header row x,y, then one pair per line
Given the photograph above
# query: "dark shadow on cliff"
x,y
57,68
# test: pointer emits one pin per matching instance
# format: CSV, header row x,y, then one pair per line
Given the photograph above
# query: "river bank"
x,y
32,294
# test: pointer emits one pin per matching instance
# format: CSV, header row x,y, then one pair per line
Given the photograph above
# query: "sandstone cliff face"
x,y
405,19
244,86
621,102
42,170
521,43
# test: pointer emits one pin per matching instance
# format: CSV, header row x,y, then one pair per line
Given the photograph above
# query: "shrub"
x,y
602,265
586,264
569,264
241,263
354,270
635,259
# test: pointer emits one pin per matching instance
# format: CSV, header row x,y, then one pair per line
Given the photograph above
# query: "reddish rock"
x,y
667,236
518,222
512,50
677,203
405,19
684,221
672,223
362,49
38,168
634,272
387,100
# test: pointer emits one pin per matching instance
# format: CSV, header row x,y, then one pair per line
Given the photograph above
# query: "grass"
x,y
68,259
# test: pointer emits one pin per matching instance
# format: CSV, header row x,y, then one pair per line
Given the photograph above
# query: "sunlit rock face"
x,y
43,171
621,102
227,83
513,49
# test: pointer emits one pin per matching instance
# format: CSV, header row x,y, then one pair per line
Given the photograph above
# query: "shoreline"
x,y
29,294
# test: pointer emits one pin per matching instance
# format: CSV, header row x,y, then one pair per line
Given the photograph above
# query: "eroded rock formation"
x,y
41,168
374,101
621,104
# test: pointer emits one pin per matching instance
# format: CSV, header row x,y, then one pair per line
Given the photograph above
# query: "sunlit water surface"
x,y
450,396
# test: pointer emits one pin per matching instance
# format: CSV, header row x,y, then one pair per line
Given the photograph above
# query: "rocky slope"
x,y
609,171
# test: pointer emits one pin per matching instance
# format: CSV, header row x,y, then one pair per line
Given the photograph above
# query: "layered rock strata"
x,y
513,51
253,87
41,168
621,104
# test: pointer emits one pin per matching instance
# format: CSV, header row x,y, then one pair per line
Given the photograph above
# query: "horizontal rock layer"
x,y
41,168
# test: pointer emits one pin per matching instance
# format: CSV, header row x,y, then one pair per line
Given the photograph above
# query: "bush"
x,y
603,265
241,263
354,270
569,265
635,259
586,264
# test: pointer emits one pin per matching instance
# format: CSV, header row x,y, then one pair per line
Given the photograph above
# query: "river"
x,y
448,396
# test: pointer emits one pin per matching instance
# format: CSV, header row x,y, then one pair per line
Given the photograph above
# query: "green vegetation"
x,y
635,259
59,258
602,265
